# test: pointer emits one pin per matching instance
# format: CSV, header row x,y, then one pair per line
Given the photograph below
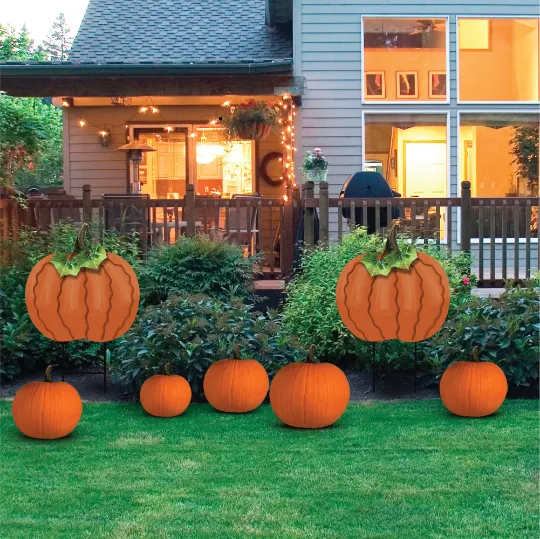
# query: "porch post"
x,y
324,212
190,209
309,217
466,216
87,203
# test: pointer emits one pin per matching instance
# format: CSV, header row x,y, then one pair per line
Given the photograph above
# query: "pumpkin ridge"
x,y
132,296
369,308
110,303
58,309
35,300
421,299
347,305
397,304
442,302
86,304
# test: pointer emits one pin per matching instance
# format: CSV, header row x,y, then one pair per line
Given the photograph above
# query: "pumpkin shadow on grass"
x,y
282,426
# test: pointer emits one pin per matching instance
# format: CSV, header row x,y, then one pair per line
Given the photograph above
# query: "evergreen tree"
x,y
56,46
17,45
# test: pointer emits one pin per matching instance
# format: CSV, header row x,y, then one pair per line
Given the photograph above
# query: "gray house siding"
x,y
328,53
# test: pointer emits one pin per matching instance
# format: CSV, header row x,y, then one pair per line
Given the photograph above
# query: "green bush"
x,y
196,265
310,310
506,331
193,331
23,347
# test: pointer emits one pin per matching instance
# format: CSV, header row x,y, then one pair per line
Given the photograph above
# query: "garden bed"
x,y
384,470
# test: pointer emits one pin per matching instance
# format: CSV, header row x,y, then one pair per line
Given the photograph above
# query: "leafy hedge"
x,y
193,331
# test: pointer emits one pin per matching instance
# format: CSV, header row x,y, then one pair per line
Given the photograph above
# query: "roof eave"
x,y
122,70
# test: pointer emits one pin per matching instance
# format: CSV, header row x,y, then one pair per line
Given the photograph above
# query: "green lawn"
x,y
385,470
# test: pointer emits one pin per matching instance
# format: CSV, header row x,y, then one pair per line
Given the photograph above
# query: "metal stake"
x,y
63,357
104,367
415,355
373,368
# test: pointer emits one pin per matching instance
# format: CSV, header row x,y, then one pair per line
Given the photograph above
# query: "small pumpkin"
x,y
309,395
400,294
165,395
46,410
473,388
236,385
91,294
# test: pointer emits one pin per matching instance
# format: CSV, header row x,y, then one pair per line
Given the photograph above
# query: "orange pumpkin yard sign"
x,y
90,294
399,294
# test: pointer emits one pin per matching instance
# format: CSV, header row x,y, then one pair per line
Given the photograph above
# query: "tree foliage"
x,y
56,46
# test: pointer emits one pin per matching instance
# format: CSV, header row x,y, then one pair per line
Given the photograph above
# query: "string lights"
x,y
286,122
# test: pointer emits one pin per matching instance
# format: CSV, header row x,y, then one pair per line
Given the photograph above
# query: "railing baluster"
x,y
227,219
504,239
248,227
176,222
449,227
271,226
492,241
340,219
377,216
481,240
281,243
216,217
413,216
352,223
516,238
426,221
438,223
205,216
259,246
528,239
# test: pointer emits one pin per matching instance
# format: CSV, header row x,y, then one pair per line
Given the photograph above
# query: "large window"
x,y
410,151
499,156
404,59
498,59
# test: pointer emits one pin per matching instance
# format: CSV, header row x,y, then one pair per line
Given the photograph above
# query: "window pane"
x,y
498,59
499,156
410,152
404,59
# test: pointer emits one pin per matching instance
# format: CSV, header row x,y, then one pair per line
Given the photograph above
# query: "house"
x,y
427,93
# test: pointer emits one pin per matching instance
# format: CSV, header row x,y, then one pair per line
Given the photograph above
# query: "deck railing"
x,y
502,234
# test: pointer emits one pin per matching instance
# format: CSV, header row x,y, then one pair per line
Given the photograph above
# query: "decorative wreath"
x,y
268,158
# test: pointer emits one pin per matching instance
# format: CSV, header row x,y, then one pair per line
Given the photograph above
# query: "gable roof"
x,y
178,31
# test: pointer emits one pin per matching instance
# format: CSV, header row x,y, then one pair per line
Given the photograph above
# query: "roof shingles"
x,y
178,31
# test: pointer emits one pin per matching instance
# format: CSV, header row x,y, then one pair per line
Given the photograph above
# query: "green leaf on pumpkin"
x,y
65,267
401,259
95,256
90,259
375,265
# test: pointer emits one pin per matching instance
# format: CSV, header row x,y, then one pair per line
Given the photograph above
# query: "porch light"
x,y
104,136
135,150
67,102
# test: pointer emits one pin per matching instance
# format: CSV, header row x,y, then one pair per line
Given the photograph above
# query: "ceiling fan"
x,y
426,26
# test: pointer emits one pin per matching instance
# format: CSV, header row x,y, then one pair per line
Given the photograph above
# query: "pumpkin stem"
x,y
80,244
311,354
236,352
391,240
48,377
474,354
167,368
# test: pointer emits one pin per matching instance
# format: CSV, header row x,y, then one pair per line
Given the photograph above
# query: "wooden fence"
x,y
502,234
262,226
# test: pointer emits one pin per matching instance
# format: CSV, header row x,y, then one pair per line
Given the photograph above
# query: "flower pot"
x,y
316,175
253,131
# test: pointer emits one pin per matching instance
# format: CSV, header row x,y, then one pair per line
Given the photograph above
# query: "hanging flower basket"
x,y
253,131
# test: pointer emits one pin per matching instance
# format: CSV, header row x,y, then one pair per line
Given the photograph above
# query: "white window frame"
x,y
502,112
490,18
404,102
409,112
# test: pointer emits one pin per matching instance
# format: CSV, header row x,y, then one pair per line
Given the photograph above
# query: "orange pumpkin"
x,y
236,385
68,301
399,295
309,395
165,395
47,410
473,388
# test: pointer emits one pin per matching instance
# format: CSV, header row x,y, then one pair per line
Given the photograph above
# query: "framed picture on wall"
x,y
437,84
407,84
374,85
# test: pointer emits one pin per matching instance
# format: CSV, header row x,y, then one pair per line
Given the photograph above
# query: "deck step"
x,y
267,284
488,292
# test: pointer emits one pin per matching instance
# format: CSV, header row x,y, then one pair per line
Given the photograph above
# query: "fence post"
x,y
466,216
324,212
296,205
87,203
309,217
190,209
287,237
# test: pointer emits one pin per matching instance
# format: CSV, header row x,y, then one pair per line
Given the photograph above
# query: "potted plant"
x,y
252,120
315,166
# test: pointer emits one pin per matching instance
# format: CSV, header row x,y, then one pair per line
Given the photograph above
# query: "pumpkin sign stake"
x,y
90,294
399,294
46,410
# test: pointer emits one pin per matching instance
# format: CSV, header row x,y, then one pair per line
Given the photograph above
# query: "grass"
x,y
385,470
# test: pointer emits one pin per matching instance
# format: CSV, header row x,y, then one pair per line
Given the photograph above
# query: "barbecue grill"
x,y
368,185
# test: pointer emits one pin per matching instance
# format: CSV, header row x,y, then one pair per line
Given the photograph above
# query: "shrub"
x,y
505,331
23,347
196,264
310,310
193,331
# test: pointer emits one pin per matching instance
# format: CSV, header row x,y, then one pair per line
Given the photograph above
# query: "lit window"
x,y
404,59
498,59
